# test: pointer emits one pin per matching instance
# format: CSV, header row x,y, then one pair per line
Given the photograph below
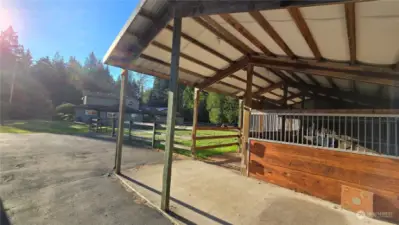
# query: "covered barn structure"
x,y
318,82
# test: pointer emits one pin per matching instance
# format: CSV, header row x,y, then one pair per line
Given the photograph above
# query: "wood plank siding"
x,y
321,173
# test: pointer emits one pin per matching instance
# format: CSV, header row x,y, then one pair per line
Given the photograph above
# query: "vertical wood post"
x,y
170,126
119,143
240,112
303,102
246,121
154,132
113,127
130,129
285,107
195,121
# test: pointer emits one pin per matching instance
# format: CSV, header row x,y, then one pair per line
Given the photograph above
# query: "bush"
x,y
66,108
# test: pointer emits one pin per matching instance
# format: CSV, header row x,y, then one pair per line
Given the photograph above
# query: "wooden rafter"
x,y
353,86
185,56
257,16
351,29
244,32
240,64
199,62
369,74
269,88
304,29
310,77
152,59
332,83
292,96
340,94
215,28
201,45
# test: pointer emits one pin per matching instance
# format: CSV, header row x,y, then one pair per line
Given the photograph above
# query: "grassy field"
x,y
42,126
183,137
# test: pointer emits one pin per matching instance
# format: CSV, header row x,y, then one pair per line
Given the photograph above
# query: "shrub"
x,y
66,108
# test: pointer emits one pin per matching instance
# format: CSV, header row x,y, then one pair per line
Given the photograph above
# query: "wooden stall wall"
x,y
322,173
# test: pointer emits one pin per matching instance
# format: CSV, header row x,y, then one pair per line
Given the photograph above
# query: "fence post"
x,y
195,121
130,129
154,129
113,127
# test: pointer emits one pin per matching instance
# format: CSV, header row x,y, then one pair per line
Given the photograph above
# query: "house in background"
x,y
106,106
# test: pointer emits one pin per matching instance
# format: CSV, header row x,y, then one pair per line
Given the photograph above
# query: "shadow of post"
x,y
179,217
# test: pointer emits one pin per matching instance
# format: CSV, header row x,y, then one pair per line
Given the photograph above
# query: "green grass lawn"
x,y
42,126
183,137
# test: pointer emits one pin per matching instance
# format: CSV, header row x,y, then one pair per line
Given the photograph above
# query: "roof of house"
x,y
345,51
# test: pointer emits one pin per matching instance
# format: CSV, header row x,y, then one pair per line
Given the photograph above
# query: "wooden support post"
x,y
240,108
170,126
246,121
119,143
303,102
154,132
113,127
285,107
240,112
130,129
195,121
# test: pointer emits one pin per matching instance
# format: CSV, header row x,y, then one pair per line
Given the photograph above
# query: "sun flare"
x,y
5,19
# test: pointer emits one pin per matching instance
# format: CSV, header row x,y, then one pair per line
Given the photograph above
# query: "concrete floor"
x,y
208,194
61,179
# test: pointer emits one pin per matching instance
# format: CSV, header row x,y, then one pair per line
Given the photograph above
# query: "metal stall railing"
x,y
375,134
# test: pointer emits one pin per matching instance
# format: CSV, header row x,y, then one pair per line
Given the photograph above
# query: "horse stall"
x,y
349,157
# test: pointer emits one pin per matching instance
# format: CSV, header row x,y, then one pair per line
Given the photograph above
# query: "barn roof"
x,y
343,50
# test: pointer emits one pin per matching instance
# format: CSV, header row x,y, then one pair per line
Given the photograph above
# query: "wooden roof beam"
x,y
305,31
350,17
258,17
211,25
152,59
269,88
244,32
240,64
201,45
355,97
369,74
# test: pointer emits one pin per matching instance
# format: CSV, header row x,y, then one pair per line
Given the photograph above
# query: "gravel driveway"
x,y
62,179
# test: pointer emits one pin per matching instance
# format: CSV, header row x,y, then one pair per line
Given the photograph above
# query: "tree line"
x,y
32,89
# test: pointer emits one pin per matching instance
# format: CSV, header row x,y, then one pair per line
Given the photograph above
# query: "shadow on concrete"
x,y
297,211
4,220
185,220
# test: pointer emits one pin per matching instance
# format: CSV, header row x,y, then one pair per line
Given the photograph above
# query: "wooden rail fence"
x,y
195,137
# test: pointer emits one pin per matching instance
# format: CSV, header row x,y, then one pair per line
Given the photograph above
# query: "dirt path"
x,y
61,179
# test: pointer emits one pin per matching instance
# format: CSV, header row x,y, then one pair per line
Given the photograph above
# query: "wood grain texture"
x,y
322,173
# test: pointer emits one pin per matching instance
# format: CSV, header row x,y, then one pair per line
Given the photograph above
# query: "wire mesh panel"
x,y
375,134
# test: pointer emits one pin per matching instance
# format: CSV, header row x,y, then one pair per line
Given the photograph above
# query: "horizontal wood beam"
x,y
217,128
215,146
217,137
240,64
369,74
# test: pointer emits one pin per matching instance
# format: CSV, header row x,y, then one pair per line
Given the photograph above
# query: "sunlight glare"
x,y
5,19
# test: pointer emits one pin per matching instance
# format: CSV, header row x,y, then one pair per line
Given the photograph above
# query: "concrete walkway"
x,y
208,194
62,179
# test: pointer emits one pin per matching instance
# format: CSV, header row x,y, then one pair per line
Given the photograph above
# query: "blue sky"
x,y
71,27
